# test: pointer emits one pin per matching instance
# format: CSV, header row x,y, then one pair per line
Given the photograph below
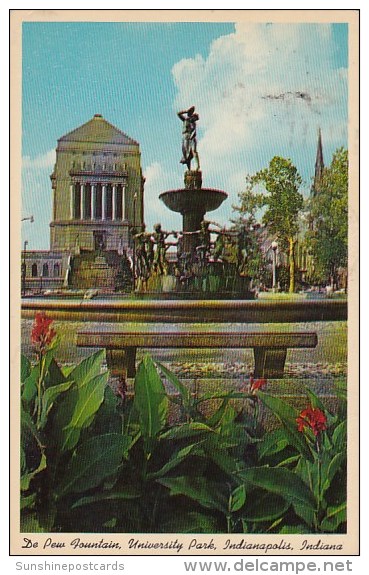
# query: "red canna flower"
x,y
42,333
313,418
256,384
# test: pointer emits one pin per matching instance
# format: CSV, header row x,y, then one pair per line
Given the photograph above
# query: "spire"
x,y
319,165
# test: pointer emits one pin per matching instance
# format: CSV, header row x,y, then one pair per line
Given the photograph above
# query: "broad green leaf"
x,y
266,507
29,388
189,522
287,416
30,524
334,466
305,513
30,384
129,493
280,481
107,419
88,368
29,432
27,477
54,375
272,443
238,498
220,456
176,459
150,401
339,436
25,367
294,530
204,491
27,502
183,390
334,517
187,430
76,411
51,395
93,461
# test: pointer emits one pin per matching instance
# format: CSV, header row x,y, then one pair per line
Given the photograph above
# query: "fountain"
x,y
202,267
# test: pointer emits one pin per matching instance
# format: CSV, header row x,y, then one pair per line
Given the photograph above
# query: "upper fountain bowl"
x,y
185,200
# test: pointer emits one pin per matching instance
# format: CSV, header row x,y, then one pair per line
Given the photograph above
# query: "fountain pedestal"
x,y
193,202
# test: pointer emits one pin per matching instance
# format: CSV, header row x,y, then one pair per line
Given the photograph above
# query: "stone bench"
x,y
270,348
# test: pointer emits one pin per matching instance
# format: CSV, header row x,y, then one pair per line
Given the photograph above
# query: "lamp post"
x,y
24,268
274,248
134,241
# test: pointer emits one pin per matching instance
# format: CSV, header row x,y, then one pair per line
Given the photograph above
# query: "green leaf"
x,y
272,443
30,524
51,395
287,416
280,481
189,522
334,466
27,477
54,375
93,462
76,411
150,402
129,493
339,436
88,368
27,502
25,367
238,498
187,430
29,388
266,507
176,459
204,491
334,517
182,389
294,530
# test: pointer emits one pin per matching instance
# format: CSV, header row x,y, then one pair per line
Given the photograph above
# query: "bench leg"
x,y
121,362
269,362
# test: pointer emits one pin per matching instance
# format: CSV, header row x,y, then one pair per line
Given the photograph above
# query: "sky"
x,y
260,90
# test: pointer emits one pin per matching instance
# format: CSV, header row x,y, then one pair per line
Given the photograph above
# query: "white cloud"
x,y
264,90
46,161
158,180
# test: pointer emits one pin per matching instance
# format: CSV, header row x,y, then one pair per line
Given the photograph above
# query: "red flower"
x,y
256,384
42,334
313,418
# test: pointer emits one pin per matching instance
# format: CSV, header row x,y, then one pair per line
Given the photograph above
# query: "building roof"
x,y
100,131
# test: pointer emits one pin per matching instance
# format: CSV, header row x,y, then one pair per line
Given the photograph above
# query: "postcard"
x,y
184,253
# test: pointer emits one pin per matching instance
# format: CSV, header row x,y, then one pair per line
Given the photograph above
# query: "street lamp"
x,y
274,248
134,241
24,268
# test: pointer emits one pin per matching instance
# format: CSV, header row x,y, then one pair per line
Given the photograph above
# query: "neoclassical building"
x,y
98,198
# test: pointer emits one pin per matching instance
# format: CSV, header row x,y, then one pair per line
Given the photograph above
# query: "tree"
x,y
276,188
328,236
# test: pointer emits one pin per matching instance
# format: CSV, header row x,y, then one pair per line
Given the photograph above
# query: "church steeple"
x,y
319,165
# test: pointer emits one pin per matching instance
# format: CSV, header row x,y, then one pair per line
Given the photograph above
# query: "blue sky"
x,y
260,90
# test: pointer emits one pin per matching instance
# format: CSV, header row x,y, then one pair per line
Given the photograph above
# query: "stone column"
x,y
82,201
103,208
114,202
71,204
93,201
123,202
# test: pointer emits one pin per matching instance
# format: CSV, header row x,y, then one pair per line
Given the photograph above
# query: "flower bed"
x,y
95,461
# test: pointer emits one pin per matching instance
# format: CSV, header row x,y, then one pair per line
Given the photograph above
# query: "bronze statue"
x,y
158,237
189,139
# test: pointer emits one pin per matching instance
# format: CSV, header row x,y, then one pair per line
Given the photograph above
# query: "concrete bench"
x,y
270,349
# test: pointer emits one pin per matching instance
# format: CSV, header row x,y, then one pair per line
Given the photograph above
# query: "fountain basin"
x,y
187,201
